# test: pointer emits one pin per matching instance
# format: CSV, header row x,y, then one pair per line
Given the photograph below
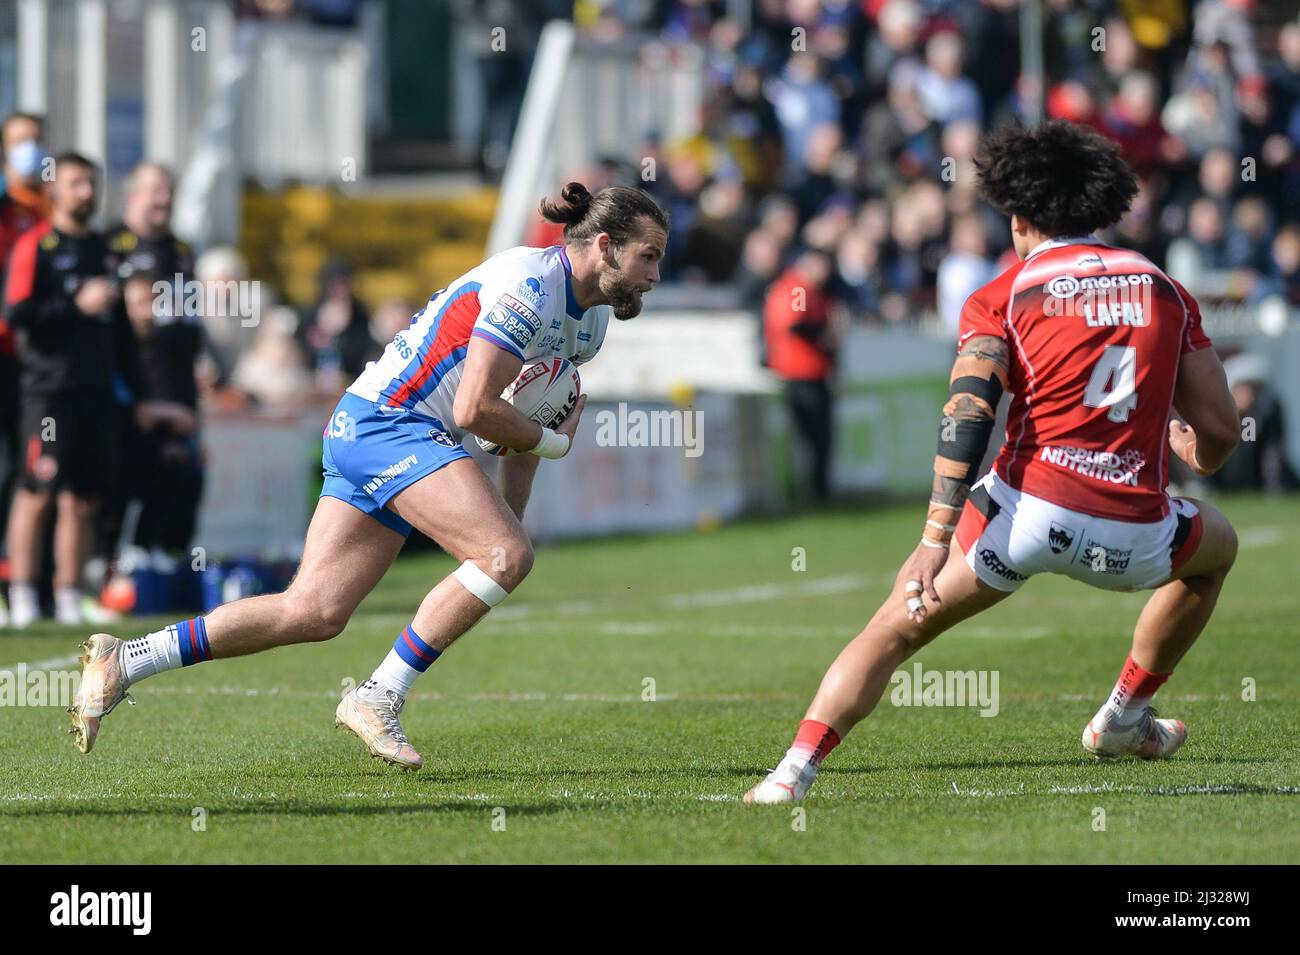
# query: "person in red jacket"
x,y
801,352
23,205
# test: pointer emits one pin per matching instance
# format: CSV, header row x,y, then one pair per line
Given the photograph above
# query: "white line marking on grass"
x,y
517,696
1166,697
513,613
750,593
1005,633
754,593
1251,537
1227,789
1084,789
646,628
988,793
54,663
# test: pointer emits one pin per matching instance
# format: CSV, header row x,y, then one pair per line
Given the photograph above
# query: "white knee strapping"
x,y
480,584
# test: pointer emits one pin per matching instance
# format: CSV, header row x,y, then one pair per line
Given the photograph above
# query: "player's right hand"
x,y
95,295
569,425
1182,441
922,567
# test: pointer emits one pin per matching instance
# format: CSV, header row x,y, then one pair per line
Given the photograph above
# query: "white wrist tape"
x,y
552,445
480,584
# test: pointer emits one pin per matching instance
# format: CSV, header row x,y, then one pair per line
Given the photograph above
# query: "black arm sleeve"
x,y
964,434
42,314
45,310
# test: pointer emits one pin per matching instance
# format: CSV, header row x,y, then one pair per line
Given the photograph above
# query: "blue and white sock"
x,y
409,657
180,645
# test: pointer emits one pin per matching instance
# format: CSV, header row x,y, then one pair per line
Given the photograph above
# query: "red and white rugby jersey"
x,y
1095,335
520,300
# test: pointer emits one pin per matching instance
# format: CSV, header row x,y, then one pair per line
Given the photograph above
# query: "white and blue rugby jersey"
x,y
520,300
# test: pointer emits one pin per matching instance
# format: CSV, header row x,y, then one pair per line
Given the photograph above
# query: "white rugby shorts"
x,y
1008,536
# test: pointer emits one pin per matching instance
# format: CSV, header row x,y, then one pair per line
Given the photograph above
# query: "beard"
x,y
622,294
83,212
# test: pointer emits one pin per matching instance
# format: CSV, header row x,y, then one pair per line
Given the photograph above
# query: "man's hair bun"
x,y
572,206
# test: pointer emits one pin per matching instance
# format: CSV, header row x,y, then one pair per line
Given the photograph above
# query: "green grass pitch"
x,y
540,747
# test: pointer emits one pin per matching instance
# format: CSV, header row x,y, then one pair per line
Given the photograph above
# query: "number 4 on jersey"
x,y
1113,382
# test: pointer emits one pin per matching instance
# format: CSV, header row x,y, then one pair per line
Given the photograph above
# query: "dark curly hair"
x,y
616,210
1060,177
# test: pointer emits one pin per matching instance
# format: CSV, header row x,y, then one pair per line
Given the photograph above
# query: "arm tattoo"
x,y
986,349
979,376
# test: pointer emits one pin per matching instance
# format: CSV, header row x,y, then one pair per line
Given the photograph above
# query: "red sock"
x,y
1135,687
816,740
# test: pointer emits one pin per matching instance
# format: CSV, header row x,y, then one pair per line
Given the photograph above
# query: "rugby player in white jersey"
x,y
393,460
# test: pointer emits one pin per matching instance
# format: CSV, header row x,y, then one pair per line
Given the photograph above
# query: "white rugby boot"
x,y
103,686
374,718
1147,738
787,783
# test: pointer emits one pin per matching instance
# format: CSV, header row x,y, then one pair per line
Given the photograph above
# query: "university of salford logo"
x,y
1059,538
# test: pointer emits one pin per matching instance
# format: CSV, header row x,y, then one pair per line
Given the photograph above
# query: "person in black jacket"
x,y
165,467
162,467
336,333
75,347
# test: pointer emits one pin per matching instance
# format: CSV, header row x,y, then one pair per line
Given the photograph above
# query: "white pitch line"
x,y
989,793
1166,697
1251,537
515,696
1005,633
577,608
754,593
1248,538
54,663
1227,789
639,628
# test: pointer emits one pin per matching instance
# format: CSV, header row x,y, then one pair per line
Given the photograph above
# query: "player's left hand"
x,y
921,569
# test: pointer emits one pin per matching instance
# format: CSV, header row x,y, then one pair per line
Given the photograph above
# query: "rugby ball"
x,y
545,391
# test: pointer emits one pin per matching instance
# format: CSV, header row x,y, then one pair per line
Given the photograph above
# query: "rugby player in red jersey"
x,y
1109,369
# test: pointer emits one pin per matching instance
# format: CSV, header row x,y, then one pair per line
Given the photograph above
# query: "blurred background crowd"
x,y
848,127
831,153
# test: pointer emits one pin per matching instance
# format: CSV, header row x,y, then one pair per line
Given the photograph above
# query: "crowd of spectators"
x,y
848,126
833,156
